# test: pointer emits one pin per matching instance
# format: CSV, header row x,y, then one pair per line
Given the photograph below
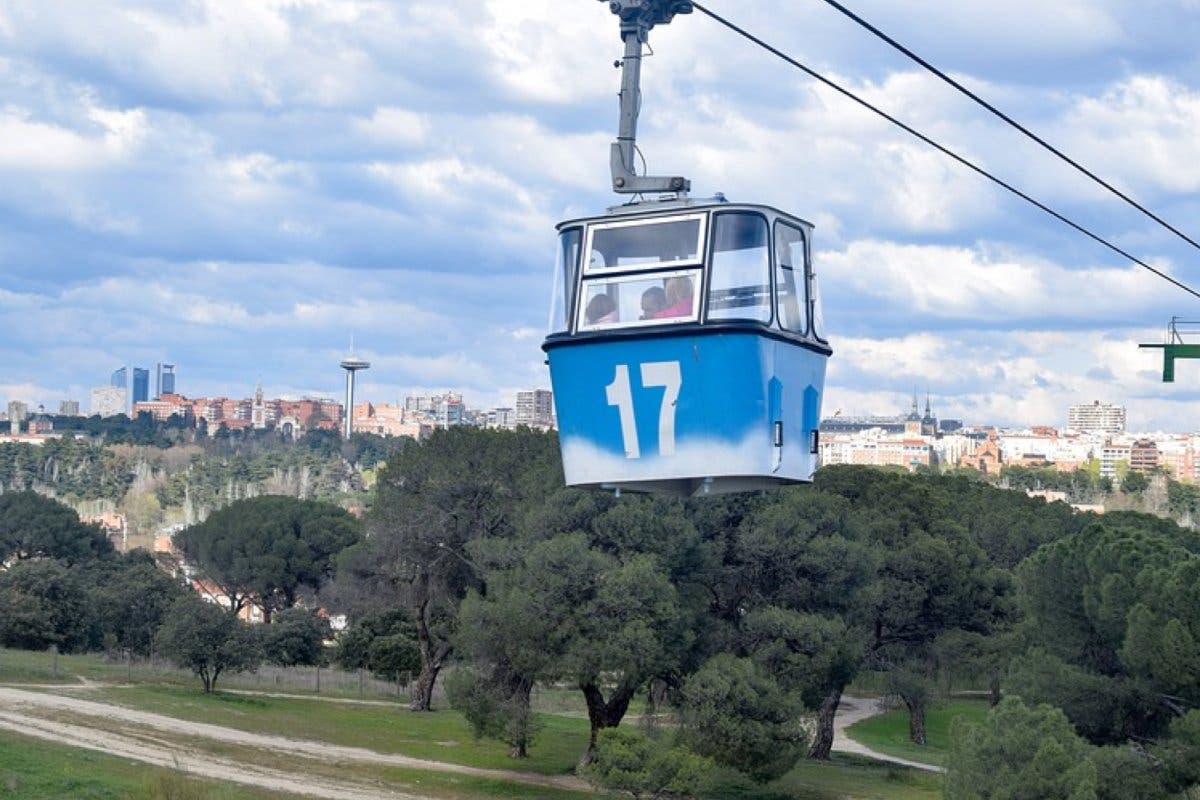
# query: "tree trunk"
x,y
422,699
994,695
916,722
519,746
823,740
432,660
603,714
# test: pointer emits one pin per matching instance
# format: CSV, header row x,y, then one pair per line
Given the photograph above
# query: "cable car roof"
x,y
672,206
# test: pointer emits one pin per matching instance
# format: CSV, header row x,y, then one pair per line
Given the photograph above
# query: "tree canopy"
x,y
266,549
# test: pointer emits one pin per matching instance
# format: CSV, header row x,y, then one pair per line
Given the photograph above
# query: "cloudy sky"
x,y
241,186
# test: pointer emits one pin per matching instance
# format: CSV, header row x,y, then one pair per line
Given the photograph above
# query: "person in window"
x,y
679,298
654,300
601,310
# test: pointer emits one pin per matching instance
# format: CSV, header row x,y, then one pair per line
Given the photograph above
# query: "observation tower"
x,y
351,364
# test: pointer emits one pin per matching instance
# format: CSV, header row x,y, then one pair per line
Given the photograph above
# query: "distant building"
x,y
535,408
165,407
1113,455
164,380
500,418
108,401
120,379
986,458
141,385
1096,416
1143,456
68,408
390,420
114,525
17,412
449,411
950,425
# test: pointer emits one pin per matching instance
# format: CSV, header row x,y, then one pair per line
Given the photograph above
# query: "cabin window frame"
x,y
710,264
566,281
695,261
805,275
696,274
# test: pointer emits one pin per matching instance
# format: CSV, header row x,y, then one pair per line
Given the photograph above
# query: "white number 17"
x,y
620,394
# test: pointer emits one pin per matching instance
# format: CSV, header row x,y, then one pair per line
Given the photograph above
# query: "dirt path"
x,y
193,764
24,709
856,709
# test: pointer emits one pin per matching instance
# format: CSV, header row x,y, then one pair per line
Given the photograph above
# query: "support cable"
x,y
945,150
1006,118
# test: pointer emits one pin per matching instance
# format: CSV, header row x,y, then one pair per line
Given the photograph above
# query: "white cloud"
x,y
983,283
241,186
1143,130
28,144
395,126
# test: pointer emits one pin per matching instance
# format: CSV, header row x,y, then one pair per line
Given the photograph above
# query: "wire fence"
x,y
120,667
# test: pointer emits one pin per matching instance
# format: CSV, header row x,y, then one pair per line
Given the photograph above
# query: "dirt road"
x,y
856,709
33,714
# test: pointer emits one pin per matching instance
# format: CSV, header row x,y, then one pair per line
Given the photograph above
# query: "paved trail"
x,y
856,709
32,713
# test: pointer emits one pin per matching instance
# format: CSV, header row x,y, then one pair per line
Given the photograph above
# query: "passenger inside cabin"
x,y
654,300
601,310
680,294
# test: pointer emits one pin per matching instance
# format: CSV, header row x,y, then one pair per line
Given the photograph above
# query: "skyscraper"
x,y
120,378
164,381
141,385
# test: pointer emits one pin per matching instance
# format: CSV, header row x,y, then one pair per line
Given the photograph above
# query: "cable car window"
x,y
740,273
645,243
789,279
639,300
566,269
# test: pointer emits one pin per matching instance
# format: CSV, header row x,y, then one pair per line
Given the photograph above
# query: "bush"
x,y
296,637
738,716
1019,751
495,709
644,768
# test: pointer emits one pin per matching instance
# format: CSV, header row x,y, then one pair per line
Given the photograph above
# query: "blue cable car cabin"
x,y
687,353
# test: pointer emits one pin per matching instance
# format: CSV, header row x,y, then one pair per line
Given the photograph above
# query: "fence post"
x,y
361,676
318,678
54,656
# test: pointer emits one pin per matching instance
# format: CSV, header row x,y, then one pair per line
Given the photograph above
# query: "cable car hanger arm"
x,y
637,18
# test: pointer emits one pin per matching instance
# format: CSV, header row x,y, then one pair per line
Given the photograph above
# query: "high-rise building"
x,y
68,408
17,412
108,401
1096,416
120,378
535,408
449,411
164,380
141,385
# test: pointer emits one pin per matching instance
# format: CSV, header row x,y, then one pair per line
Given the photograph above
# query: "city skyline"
x,y
257,209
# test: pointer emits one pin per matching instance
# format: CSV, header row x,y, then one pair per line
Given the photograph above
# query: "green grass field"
x,y
34,770
888,733
441,736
